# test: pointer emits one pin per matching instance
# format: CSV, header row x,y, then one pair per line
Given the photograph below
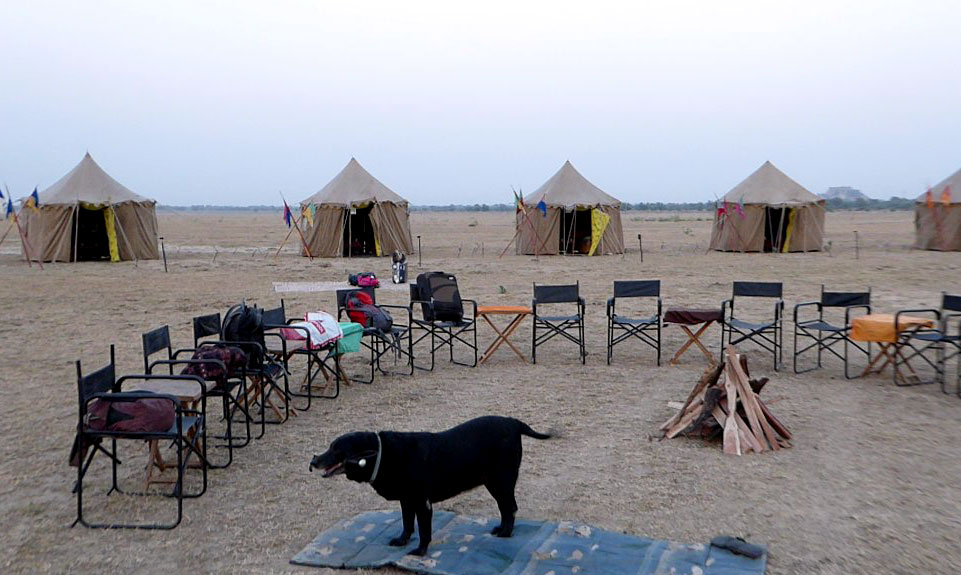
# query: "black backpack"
x,y
243,323
440,289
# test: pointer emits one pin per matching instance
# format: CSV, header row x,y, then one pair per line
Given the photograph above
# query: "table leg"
x,y
503,337
693,339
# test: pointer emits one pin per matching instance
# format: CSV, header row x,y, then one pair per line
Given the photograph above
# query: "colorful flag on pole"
x,y
9,213
288,217
308,212
1,194
33,200
542,207
518,202
946,196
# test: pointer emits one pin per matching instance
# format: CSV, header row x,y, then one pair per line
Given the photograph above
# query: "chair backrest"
x,y
101,381
951,302
343,294
441,291
758,289
637,288
844,298
557,293
153,342
276,316
207,326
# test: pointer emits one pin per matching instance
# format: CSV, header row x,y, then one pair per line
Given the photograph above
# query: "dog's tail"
x,y
526,430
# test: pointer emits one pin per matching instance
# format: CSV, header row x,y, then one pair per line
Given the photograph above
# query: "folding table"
x,y
685,317
189,394
880,328
519,312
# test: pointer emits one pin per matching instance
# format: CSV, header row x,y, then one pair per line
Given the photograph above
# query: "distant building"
x,y
845,194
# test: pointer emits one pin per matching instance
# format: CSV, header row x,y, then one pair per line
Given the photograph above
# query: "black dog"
x,y
419,469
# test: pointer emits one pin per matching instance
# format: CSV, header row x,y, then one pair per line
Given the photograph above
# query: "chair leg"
x,y
534,342
609,333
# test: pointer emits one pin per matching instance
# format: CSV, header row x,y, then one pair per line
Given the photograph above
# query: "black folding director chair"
x,y
262,377
769,333
440,291
550,326
824,333
621,328
940,339
317,359
187,435
229,389
380,343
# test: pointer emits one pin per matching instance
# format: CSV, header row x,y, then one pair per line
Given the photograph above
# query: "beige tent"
x,y
87,215
580,218
937,216
769,212
355,215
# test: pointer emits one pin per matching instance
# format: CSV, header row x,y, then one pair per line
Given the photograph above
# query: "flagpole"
x,y
26,244
299,233
287,237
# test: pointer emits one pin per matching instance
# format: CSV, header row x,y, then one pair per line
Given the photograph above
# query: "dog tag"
x,y
362,463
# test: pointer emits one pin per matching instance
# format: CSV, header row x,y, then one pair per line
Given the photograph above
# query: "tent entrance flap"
x,y
359,237
89,231
776,226
576,227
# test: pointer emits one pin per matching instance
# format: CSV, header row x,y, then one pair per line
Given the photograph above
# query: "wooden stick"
x,y
749,411
749,400
732,442
708,378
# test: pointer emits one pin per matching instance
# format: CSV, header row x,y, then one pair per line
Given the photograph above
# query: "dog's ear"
x,y
360,466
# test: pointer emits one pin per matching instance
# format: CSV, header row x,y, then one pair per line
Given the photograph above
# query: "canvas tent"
x,y
87,215
768,212
356,215
937,216
580,218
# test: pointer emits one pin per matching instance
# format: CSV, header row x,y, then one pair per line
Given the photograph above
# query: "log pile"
x,y
721,391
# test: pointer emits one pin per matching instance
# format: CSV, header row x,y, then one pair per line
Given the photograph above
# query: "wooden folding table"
x,y
880,328
685,317
519,313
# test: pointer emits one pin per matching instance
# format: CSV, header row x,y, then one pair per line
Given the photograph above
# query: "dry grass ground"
x,y
871,485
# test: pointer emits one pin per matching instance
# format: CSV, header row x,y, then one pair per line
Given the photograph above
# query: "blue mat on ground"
x,y
463,546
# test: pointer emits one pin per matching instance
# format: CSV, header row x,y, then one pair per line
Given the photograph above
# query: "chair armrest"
x,y
581,306
659,308
806,304
728,303
414,302
402,308
473,306
173,362
610,307
129,396
850,308
778,309
298,328
150,377
897,315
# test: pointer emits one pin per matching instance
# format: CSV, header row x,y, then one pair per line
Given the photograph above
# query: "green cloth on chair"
x,y
350,341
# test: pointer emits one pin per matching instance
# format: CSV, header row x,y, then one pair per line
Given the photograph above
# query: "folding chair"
x,y
821,334
187,435
227,388
939,339
443,317
283,350
262,376
380,343
550,326
769,334
646,329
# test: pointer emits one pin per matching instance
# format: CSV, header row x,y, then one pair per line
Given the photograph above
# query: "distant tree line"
x,y
834,204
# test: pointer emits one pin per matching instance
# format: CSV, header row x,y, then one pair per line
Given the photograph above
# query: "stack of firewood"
x,y
724,390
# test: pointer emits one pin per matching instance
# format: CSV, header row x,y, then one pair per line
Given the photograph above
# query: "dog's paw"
x,y
399,541
419,552
497,530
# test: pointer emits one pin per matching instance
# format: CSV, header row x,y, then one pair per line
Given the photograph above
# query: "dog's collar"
x,y
373,475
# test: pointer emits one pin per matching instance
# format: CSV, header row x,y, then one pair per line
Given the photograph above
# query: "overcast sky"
x,y
452,102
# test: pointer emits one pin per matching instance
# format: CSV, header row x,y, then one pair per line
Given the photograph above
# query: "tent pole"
x,y
6,233
26,244
76,230
287,237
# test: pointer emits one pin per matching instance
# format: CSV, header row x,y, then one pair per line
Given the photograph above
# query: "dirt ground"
x,y
870,486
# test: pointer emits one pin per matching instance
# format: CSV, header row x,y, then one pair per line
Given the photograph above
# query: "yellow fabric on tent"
x,y
108,217
377,247
599,222
792,215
